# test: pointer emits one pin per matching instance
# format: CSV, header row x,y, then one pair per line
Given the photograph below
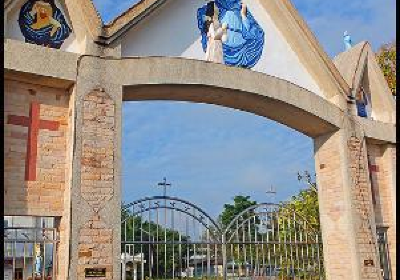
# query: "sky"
x,y
370,20
209,153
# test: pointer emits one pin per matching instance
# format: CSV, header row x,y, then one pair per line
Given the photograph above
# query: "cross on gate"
x,y
34,124
164,184
271,193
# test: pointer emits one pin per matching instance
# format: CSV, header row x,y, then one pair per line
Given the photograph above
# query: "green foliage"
x,y
305,205
301,207
240,203
386,57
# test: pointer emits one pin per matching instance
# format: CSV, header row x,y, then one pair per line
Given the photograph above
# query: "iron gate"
x,y
30,253
167,238
384,253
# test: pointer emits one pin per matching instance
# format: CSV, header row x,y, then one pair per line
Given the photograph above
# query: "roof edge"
x,y
318,48
116,27
92,18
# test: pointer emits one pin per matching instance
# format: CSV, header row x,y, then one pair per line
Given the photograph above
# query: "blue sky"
x,y
211,153
370,20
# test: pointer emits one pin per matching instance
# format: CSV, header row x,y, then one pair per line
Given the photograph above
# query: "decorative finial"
x,y
347,40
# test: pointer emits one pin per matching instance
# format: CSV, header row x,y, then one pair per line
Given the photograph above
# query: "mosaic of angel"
x,y
42,23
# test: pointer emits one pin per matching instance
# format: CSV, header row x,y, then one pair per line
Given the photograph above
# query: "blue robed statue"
x,y
244,40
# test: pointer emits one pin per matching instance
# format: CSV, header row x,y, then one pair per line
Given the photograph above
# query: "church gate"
x,y
88,201
169,238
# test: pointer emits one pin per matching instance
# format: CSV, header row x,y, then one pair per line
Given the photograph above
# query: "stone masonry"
x,y
77,176
364,212
346,208
46,193
334,210
95,248
382,159
97,173
46,196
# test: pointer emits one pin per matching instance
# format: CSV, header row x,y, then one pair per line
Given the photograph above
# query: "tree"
x,y
386,57
240,203
305,206
305,203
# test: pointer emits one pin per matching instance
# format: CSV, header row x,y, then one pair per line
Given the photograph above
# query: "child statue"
x,y
229,33
216,34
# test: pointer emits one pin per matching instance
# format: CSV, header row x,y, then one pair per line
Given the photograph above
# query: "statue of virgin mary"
x,y
244,39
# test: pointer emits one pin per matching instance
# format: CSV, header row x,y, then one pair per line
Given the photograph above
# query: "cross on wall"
x,y
34,124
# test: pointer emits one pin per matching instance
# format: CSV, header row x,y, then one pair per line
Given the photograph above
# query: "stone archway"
x,y
338,143
348,226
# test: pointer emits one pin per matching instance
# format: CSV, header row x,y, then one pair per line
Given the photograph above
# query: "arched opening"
x,y
267,108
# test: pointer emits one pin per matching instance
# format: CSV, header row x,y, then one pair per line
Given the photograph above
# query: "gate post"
x,y
123,266
382,160
95,245
345,202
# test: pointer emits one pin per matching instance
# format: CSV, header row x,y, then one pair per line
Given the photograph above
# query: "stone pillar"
x,y
346,213
96,187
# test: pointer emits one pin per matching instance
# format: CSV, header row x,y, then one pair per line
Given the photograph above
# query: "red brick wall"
x,y
48,195
362,201
45,196
383,161
97,176
95,247
97,181
333,210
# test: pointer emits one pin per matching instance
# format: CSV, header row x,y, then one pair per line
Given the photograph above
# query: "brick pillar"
x,y
389,162
382,158
96,189
346,213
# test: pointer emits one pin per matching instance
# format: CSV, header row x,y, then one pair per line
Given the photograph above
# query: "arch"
x,y
266,209
172,204
161,78
242,248
266,232
184,203
360,69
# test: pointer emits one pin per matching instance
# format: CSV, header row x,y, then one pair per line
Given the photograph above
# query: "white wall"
x,y
14,32
172,31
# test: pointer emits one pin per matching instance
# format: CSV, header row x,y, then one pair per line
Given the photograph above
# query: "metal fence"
x,y
384,256
30,253
168,238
